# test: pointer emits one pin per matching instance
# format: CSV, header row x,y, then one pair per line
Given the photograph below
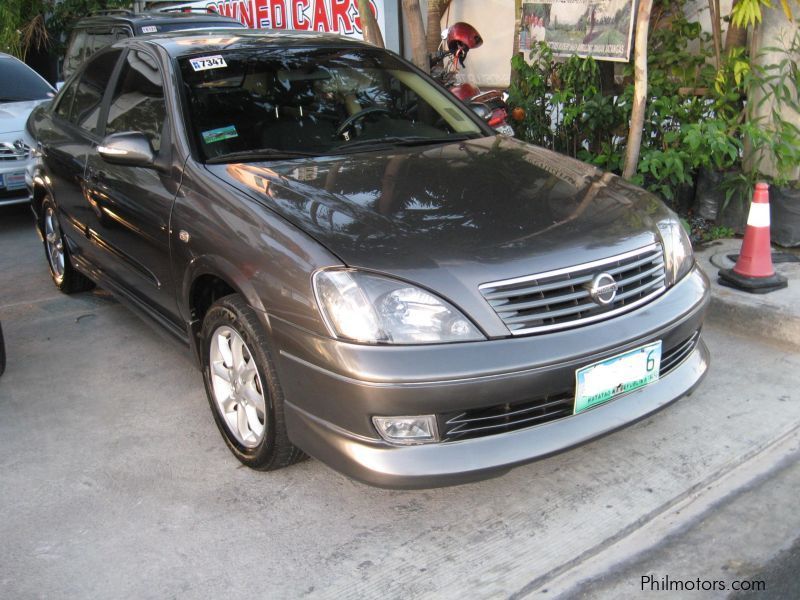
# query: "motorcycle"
x,y
457,41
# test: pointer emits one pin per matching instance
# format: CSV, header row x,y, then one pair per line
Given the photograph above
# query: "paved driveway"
x,y
114,481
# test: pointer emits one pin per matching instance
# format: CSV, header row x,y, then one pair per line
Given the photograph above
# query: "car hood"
x,y
14,114
474,211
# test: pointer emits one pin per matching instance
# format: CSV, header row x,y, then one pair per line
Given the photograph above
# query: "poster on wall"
x,y
602,29
330,16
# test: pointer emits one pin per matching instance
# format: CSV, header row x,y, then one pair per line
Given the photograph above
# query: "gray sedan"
x,y
363,271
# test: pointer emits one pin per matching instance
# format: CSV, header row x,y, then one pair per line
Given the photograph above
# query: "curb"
x,y
674,516
774,317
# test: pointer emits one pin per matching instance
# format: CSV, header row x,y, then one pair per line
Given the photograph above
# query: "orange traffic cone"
x,y
753,271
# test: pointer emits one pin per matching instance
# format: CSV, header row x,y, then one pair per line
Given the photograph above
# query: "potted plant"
x,y
773,134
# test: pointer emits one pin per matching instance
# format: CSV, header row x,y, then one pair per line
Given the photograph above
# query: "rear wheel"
x,y
242,386
64,275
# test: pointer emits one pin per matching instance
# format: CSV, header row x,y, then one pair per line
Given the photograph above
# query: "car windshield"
x,y
19,82
253,103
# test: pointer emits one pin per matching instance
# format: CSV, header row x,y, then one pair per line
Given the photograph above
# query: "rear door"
x,y
136,203
66,140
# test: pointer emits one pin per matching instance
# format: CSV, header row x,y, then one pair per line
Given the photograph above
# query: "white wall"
x,y
489,65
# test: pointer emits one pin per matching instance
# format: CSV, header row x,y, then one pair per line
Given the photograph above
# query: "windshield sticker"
x,y
217,135
149,29
208,62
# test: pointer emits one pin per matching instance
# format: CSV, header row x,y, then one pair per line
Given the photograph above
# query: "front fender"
x,y
226,271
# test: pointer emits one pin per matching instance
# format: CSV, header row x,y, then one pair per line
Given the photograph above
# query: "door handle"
x,y
95,176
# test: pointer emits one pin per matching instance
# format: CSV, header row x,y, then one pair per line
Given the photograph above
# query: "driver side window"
x,y
138,100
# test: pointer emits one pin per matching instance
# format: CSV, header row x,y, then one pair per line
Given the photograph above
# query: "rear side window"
x,y
91,86
138,100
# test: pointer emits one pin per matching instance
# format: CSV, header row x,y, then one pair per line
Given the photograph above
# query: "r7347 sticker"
x,y
208,62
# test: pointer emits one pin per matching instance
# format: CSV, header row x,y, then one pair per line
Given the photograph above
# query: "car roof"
x,y
183,43
151,17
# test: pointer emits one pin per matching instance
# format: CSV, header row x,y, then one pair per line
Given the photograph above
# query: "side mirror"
x,y
130,148
480,109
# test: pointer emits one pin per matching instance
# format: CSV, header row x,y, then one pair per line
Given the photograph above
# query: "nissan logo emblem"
x,y
603,289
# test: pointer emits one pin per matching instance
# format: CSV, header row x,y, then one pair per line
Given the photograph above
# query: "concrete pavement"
x,y
115,482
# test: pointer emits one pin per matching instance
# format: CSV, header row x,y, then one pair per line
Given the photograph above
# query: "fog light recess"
x,y
419,429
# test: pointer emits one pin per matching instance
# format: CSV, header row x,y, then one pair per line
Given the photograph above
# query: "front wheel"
x,y
242,386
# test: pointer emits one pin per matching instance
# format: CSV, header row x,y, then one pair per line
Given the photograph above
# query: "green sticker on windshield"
x,y
217,135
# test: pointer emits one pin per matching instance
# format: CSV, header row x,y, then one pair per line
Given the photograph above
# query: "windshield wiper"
x,y
258,154
403,141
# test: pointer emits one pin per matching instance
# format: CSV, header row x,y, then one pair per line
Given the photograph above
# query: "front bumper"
x,y
18,195
333,389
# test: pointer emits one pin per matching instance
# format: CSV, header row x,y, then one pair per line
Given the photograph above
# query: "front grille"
x,y
673,357
13,152
479,422
560,299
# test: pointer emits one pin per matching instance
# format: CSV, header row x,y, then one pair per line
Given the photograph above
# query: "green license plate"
x,y
617,375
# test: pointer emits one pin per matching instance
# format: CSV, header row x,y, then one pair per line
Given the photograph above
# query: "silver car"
x,y
21,90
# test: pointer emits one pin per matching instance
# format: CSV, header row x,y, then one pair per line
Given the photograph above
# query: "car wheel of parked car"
x,y
64,275
243,388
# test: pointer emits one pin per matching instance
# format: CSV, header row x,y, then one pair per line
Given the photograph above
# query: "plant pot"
x,y
684,198
710,194
734,214
785,216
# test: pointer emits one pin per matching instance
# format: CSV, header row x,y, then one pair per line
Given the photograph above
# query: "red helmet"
x,y
465,34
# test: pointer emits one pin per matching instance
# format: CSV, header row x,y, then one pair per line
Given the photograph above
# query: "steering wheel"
x,y
358,116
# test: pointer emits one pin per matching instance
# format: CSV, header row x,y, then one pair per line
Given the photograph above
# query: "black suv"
x,y
106,27
363,269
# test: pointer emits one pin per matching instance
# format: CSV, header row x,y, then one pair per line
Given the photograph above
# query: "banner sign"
x,y
333,16
602,29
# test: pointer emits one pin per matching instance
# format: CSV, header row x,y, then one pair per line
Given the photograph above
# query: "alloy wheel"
x,y
55,243
237,389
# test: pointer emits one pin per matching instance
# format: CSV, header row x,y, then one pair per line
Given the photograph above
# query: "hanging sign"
x,y
602,29
330,16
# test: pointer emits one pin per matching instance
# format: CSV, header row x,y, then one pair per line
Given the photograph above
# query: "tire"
x,y
64,275
253,429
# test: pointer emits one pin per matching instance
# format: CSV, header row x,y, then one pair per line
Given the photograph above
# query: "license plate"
x,y
617,375
13,181
505,129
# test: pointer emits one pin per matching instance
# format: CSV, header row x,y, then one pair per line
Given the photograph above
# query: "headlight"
x,y
372,309
677,249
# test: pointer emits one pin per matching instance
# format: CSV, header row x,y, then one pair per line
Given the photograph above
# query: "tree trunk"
x,y
433,36
369,26
515,46
735,37
639,90
416,30
716,30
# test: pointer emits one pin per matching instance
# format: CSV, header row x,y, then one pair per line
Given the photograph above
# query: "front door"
x,y
135,203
